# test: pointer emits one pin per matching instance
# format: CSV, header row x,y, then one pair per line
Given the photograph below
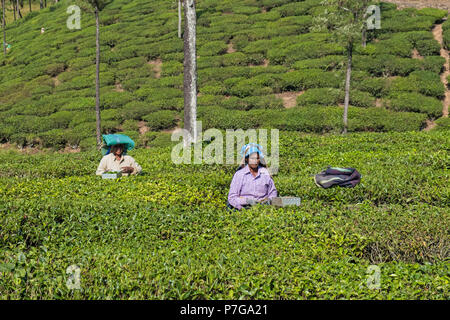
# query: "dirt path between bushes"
x,y
420,4
438,35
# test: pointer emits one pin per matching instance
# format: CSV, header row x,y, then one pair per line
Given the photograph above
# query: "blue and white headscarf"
x,y
250,148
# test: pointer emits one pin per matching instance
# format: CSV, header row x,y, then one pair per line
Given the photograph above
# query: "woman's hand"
x,y
127,169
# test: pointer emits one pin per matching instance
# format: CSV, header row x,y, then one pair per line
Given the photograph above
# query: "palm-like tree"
x,y
347,21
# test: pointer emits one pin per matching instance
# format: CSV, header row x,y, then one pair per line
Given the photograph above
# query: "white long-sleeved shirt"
x,y
110,163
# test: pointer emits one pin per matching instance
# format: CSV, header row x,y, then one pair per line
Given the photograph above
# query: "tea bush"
x,y
442,124
160,120
166,234
446,34
428,47
417,103
212,48
434,64
320,96
328,63
275,53
423,82
311,78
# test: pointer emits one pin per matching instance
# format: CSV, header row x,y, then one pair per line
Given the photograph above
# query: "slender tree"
x,y
4,27
18,9
190,70
97,5
29,2
179,18
364,37
41,4
14,9
346,19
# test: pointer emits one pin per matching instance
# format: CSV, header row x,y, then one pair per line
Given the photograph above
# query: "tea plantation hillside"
x,y
252,54
167,234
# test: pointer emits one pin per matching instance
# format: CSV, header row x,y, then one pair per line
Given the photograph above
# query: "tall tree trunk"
x,y
14,9
179,18
29,2
4,27
364,37
19,14
97,78
41,4
190,70
347,85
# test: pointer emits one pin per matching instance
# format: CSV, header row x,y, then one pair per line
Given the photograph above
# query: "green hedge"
x,y
213,48
210,75
78,104
171,68
209,100
214,88
320,96
54,69
136,110
154,139
132,63
29,124
424,82
312,78
253,86
438,14
111,114
115,99
295,8
428,47
160,120
81,63
204,62
446,34
87,129
81,117
149,93
442,124
386,65
61,119
238,59
176,104
314,118
56,138
301,51
245,10
130,125
268,16
255,102
434,64
396,46
24,140
381,120
401,22
415,102
328,63
332,96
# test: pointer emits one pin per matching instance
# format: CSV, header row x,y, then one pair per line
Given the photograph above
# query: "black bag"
x,y
342,177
